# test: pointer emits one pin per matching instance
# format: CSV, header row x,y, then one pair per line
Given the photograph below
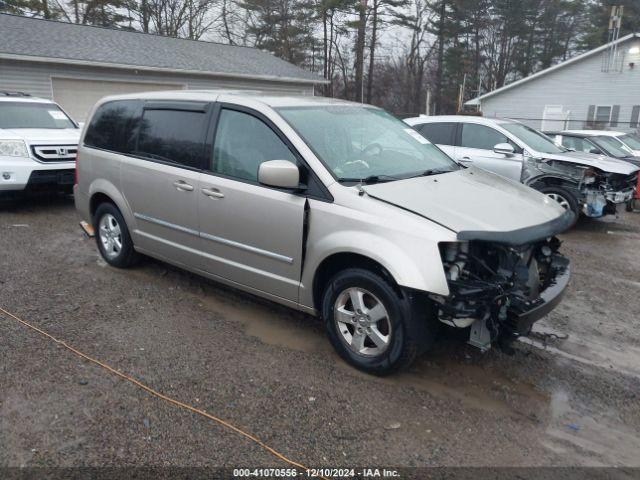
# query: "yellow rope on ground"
x,y
158,394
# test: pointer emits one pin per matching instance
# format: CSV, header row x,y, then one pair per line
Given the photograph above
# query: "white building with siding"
x,y
598,89
76,65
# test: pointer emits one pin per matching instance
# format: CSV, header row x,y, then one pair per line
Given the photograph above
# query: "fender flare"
x,y
107,188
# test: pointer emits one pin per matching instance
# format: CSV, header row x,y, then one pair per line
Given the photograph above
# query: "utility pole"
x,y
427,107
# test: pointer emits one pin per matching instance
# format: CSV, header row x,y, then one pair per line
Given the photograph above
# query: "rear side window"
x,y
173,136
114,125
438,133
479,136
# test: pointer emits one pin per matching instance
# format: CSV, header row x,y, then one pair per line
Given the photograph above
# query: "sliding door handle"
x,y
213,193
183,186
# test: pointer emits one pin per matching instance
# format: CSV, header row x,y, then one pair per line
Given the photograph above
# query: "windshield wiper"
x,y
431,171
371,179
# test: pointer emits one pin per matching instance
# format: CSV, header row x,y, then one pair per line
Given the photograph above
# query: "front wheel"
x,y
565,198
371,326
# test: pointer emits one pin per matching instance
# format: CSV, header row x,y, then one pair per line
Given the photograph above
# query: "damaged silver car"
x,y
333,208
587,184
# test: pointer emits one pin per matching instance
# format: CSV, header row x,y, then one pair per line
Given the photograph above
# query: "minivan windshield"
x,y
359,143
33,115
532,138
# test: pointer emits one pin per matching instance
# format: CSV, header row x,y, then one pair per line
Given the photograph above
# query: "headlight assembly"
x,y
13,148
589,176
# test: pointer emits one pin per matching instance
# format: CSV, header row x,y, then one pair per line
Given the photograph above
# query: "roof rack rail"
x,y
7,93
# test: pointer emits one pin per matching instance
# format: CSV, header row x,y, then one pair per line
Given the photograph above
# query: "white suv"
x,y
38,144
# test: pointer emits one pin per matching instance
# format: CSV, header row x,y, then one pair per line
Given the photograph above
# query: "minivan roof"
x,y
265,98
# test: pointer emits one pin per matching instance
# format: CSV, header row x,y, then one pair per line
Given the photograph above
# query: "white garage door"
x,y
77,96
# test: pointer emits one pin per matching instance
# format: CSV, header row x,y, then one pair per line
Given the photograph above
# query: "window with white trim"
x,y
602,113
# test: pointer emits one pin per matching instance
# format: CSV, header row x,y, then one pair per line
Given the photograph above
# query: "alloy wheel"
x,y
110,235
564,203
363,322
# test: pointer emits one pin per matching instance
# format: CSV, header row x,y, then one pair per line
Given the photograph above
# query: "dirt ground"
x,y
270,371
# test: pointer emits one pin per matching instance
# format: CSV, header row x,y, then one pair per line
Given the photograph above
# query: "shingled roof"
x,y
37,39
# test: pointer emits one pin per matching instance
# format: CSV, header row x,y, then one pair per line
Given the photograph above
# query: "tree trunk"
x,y
439,97
46,13
372,49
362,17
225,22
325,49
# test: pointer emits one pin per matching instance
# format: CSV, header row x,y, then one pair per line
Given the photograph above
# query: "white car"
x,y
38,145
628,141
587,184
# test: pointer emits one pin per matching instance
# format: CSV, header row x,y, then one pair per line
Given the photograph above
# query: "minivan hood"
x,y
606,164
43,135
470,200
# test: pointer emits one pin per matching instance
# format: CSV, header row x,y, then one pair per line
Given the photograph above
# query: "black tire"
x,y
412,322
126,256
574,205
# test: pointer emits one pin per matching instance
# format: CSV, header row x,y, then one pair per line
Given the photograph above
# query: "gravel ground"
x,y
272,372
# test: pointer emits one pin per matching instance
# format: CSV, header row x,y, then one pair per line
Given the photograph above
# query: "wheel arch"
x,y
553,180
339,261
103,191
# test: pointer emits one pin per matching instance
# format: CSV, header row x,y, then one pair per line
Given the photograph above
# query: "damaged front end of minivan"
x,y
500,289
597,191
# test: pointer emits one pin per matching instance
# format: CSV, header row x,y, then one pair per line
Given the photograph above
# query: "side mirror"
x,y
279,173
504,148
595,151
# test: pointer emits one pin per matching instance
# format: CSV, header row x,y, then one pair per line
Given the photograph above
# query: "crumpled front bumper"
x,y
505,306
596,203
522,317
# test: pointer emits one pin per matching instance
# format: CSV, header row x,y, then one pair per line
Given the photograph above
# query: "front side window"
x,y
242,143
33,115
480,136
532,138
439,133
363,143
579,144
173,136
113,126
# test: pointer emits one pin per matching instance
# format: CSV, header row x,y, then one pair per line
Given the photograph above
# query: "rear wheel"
x,y
565,198
371,326
114,242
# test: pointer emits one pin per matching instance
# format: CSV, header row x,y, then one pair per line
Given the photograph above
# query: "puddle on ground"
x,y
272,324
588,440
589,352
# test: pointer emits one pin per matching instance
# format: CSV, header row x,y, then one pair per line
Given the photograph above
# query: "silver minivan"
x,y
333,208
